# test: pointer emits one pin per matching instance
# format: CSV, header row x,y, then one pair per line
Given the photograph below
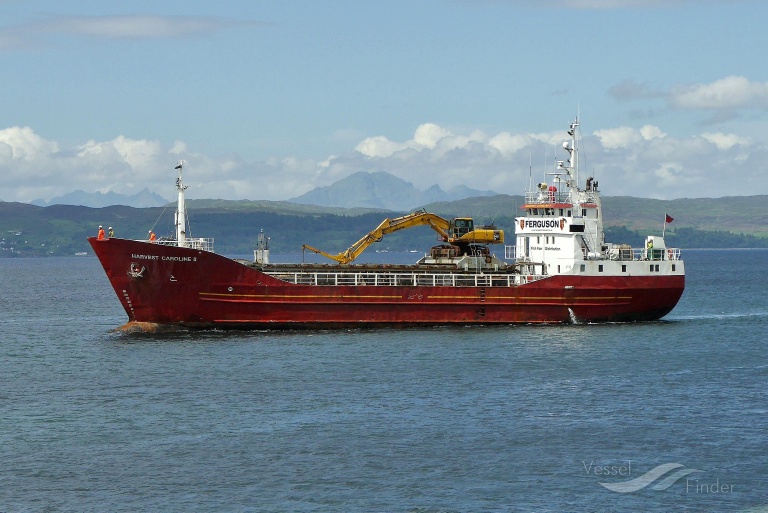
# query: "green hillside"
x,y
275,207
747,214
28,230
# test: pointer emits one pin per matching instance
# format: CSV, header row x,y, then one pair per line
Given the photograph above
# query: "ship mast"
x,y
572,167
181,214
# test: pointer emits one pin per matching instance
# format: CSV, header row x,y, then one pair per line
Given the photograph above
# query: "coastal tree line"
x,y
60,230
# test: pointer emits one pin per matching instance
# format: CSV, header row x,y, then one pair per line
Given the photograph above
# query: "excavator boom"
x,y
419,218
338,257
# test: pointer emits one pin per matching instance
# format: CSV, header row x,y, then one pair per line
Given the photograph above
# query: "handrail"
x,y
615,253
547,197
630,254
401,279
201,243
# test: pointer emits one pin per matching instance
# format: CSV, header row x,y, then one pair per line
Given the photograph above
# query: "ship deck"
x,y
416,275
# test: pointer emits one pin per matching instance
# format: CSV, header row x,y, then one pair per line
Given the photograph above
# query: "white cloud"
x,y
136,27
621,137
669,174
509,144
626,137
179,148
378,146
644,161
652,132
429,134
727,93
24,143
726,141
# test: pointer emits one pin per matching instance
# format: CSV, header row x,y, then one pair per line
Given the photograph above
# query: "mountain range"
x,y
142,199
378,190
382,190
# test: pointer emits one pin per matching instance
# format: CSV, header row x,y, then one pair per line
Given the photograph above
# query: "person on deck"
x,y
101,233
111,232
152,237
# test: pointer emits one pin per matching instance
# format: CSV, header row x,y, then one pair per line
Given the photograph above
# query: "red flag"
x,y
669,218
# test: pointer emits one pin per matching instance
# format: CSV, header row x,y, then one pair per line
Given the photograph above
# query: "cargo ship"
x,y
559,269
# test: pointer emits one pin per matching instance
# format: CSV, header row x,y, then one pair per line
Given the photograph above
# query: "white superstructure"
x,y
562,231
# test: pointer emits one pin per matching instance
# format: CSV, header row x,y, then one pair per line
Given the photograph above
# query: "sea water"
x,y
661,416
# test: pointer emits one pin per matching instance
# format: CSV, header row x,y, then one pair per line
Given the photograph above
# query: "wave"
x,y
714,316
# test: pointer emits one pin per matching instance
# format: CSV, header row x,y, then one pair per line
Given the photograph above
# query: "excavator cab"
x,y
462,226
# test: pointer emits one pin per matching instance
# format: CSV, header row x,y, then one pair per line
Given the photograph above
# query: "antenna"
x,y
530,171
576,142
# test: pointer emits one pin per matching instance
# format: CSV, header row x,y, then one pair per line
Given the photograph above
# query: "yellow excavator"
x,y
460,233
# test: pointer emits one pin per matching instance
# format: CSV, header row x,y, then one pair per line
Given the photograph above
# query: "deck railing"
x,y
547,197
402,279
201,243
616,253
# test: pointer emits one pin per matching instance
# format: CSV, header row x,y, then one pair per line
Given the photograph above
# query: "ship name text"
x,y
163,258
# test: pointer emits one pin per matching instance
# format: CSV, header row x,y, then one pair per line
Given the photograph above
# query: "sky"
x,y
267,99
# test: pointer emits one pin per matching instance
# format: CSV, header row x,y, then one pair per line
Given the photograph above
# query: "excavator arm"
x,y
419,218
460,232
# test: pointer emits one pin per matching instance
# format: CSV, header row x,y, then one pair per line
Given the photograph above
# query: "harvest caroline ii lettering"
x,y
165,258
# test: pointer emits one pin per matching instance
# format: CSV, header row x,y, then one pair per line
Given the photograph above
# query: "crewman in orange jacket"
x,y
101,233
152,237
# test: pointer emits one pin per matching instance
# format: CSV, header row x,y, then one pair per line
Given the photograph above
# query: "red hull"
x,y
187,287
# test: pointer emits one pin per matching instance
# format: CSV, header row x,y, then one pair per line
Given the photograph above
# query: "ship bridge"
x,y
561,230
